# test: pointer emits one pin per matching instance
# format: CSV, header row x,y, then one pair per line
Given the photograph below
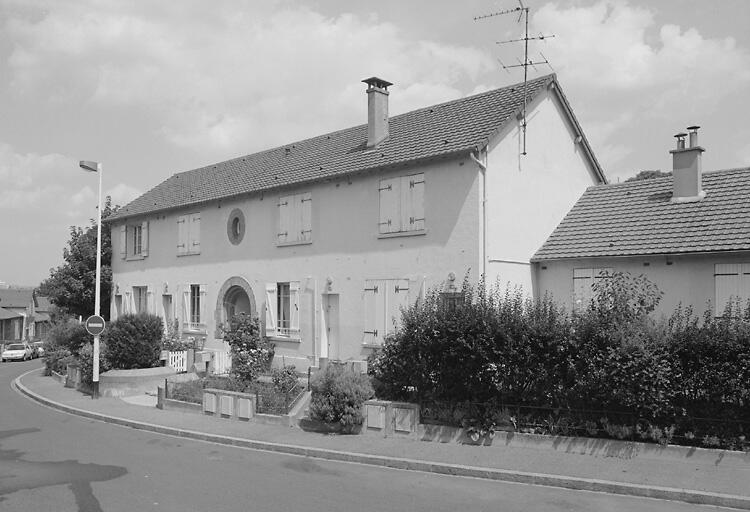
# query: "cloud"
x,y
122,194
233,78
30,180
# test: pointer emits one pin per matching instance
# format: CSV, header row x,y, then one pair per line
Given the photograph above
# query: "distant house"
x,y
327,238
23,314
688,232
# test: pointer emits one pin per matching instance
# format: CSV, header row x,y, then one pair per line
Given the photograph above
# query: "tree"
x,y
71,286
647,175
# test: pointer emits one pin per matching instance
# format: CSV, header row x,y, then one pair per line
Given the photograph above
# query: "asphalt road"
x,y
52,461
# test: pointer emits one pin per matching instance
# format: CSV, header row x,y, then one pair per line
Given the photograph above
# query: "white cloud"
x,y
235,79
122,194
31,180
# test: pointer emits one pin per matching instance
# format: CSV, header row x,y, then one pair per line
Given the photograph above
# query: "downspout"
x,y
483,169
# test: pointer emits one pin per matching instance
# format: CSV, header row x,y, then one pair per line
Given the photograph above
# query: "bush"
x,y
134,341
85,360
338,395
284,379
251,353
68,334
56,358
172,340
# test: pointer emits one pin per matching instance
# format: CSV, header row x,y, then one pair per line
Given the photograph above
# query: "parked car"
x,y
18,352
38,348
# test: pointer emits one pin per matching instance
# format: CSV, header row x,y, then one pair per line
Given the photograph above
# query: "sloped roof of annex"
x,y
439,131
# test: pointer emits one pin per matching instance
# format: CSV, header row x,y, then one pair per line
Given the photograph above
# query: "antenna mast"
x,y
523,13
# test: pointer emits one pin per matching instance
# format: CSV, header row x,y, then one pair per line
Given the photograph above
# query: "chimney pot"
x,y
680,140
377,110
693,135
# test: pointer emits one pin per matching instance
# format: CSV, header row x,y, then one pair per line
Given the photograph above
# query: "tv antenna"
x,y
523,14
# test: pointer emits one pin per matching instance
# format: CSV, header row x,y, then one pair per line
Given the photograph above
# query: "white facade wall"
x,y
528,195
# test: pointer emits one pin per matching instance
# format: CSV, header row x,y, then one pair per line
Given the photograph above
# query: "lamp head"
x,y
89,166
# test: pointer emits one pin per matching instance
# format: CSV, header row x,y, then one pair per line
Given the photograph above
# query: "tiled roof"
x,y
15,297
638,218
446,129
6,314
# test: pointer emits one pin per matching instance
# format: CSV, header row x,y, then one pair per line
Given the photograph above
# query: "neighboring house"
x,y
326,238
42,307
688,232
16,313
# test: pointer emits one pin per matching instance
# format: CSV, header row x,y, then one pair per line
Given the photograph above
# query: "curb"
x,y
504,475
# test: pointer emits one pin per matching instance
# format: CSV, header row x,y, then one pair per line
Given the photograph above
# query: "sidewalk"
x,y
701,476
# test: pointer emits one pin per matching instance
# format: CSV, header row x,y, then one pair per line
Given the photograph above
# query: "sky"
x,y
153,88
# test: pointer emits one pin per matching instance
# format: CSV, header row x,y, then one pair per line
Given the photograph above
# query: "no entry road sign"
x,y
95,325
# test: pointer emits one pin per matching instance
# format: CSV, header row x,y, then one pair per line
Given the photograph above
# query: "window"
x,y
295,219
583,284
134,241
140,299
189,234
732,283
383,300
402,204
236,226
194,307
282,310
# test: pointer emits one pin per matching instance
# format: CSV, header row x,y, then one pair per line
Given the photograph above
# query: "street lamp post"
x,y
96,167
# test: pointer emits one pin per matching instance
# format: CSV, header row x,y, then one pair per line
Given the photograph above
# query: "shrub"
x,y
56,358
338,395
251,353
172,340
85,360
68,334
284,379
134,341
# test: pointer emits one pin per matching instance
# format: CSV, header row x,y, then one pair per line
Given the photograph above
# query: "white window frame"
x,y
189,234
277,323
194,308
134,240
401,205
295,219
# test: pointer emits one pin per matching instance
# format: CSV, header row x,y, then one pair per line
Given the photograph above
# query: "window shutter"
x,y
182,235
195,233
285,206
397,298
745,283
271,305
306,217
374,312
390,196
413,190
186,306
582,281
150,304
123,242
294,306
144,239
203,306
727,278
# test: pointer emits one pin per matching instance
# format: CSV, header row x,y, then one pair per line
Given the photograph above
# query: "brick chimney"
x,y
687,186
377,110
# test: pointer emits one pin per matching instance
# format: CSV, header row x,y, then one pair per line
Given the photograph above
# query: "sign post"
x,y
95,326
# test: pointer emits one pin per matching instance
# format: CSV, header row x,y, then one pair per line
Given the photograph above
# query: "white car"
x,y
17,351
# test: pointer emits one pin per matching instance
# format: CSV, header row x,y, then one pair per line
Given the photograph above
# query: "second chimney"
x,y
687,179
377,110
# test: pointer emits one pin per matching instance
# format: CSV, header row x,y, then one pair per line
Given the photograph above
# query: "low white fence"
x,y
178,361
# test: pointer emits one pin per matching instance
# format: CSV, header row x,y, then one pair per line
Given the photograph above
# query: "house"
x,y
688,232
327,238
23,314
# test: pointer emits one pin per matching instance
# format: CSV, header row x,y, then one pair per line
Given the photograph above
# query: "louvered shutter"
x,y
144,239
123,242
397,297
195,233
390,197
414,202
271,304
186,306
727,278
374,312
286,207
305,205
582,281
203,320
745,283
182,235
294,306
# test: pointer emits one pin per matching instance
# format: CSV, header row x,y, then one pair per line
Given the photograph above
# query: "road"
x,y
52,461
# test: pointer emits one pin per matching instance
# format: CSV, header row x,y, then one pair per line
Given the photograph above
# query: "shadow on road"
x,y
17,474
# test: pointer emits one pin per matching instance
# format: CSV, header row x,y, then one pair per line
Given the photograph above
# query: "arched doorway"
x,y
235,296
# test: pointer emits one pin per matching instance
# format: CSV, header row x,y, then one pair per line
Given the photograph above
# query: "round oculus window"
x,y
236,226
